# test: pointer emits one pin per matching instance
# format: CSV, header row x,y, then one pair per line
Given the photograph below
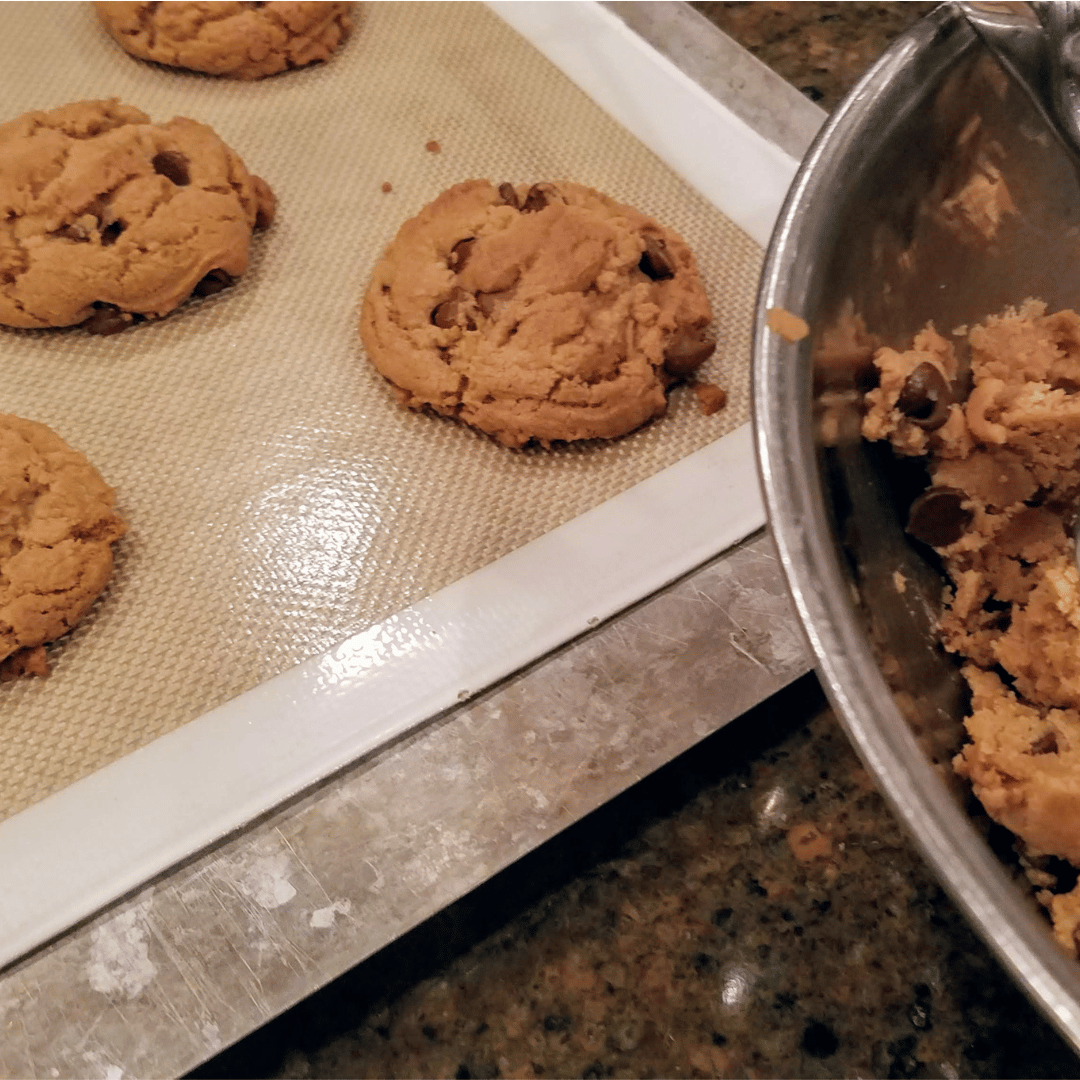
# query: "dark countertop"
x,y
752,909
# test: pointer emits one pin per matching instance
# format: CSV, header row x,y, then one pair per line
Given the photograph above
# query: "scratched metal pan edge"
x,y
853,203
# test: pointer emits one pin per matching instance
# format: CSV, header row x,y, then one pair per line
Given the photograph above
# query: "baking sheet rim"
x,y
76,851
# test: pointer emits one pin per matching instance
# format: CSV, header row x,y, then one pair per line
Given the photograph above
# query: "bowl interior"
x,y
880,235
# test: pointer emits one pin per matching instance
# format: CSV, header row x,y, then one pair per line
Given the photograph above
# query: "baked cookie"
x,y
548,312
105,216
57,527
241,41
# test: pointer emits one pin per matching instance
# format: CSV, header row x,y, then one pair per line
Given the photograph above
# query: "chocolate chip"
x,y
1070,386
449,311
508,194
111,233
459,254
926,397
687,351
1045,744
107,319
173,166
937,517
214,282
536,199
655,262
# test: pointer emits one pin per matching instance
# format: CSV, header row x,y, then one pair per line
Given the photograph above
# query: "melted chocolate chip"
x,y
1045,744
687,351
111,233
448,312
536,199
508,194
107,319
937,517
459,254
655,262
926,397
173,166
214,282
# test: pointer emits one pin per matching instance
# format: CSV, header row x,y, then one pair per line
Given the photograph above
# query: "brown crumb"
x,y
790,327
808,842
711,397
387,187
24,662
432,147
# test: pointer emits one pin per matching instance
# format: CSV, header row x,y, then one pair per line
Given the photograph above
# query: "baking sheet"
x,y
279,499
258,619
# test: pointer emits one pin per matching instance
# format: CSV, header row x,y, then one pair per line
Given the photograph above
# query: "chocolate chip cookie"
x,y
547,312
57,527
106,217
238,40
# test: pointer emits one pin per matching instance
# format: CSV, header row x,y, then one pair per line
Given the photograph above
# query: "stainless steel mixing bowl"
x,y
862,254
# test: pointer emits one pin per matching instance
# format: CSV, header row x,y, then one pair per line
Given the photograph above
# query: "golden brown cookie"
x,y
548,312
239,40
57,527
105,215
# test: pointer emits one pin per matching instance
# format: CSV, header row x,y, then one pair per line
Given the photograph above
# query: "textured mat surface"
x,y
279,498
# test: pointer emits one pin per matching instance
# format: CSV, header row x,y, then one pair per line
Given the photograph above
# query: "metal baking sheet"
x,y
284,711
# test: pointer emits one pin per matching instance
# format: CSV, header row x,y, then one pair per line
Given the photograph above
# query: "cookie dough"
x,y
1004,464
105,215
57,528
238,40
544,312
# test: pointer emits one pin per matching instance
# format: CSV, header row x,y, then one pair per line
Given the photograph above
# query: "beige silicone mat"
x,y
279,499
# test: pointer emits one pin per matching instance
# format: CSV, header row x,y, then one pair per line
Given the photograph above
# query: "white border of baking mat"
x,y
76,851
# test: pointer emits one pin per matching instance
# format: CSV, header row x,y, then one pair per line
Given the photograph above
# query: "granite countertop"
x,y
752,909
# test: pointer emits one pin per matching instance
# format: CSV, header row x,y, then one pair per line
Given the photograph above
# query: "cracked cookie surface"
x,y
105,215
547,312
238,40
57,527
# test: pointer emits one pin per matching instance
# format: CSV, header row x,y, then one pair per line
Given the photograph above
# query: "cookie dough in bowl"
x,y
106,216
1002,447
545,312
57,528
237,40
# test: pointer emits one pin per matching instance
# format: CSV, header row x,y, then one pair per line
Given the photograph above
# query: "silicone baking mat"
x,y
279,499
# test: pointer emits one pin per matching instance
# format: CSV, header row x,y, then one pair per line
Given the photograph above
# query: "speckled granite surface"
x,y
820,48
750,910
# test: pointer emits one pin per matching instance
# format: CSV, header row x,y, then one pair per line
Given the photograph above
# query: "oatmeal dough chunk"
x,y
543,313
57,527
238,40
105,215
